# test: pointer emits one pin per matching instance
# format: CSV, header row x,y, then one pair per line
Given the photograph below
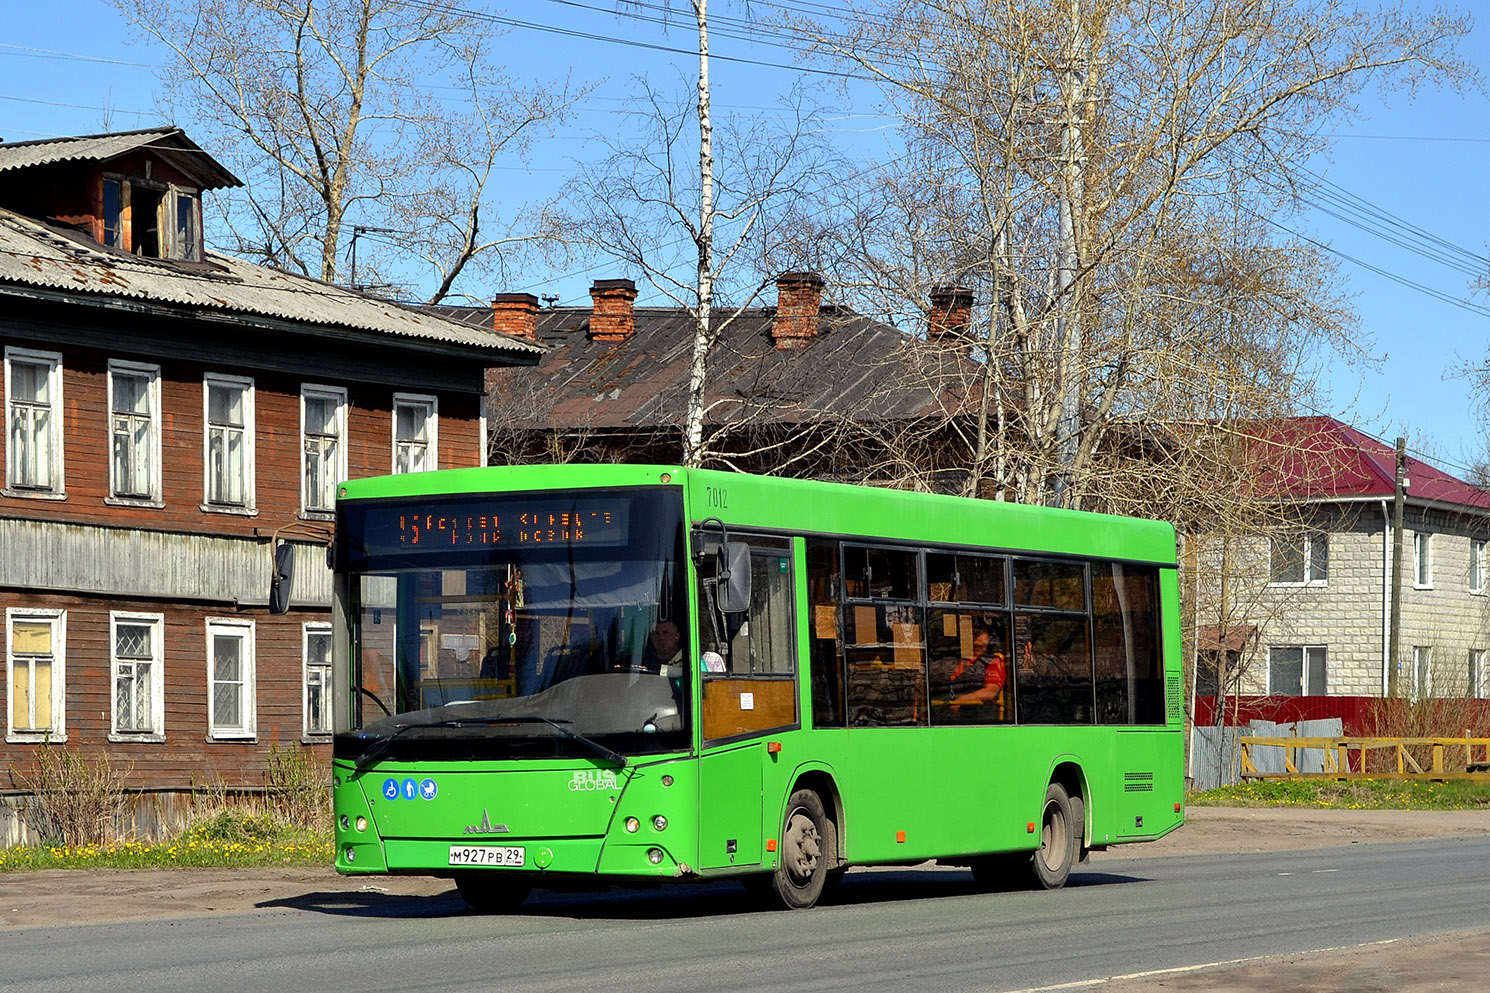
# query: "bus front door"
x,y
730,806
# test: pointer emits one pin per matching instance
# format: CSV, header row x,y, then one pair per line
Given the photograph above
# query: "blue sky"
x,y
69,67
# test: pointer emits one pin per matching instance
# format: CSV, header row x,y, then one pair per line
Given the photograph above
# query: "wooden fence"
x,y
1376,758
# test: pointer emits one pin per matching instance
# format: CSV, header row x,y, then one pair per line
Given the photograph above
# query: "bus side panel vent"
x,y
1138,782
1176,700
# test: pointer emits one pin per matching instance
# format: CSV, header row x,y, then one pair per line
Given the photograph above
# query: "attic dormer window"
x,y
155,220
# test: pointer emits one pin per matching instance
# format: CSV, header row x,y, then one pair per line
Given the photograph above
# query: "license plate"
x,y
486,855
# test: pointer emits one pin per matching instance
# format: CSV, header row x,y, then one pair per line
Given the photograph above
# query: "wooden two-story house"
x,y
167,412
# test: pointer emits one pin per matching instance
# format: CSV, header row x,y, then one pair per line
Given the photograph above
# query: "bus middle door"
x,y
749,692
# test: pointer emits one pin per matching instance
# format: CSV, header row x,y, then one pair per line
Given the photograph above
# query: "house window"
x,y
1301,559
1422,671
228,445
134,418
34,650
317,655
1422,560
414,433
137,676
230,678
1476,682
113,212
33,405
186,226
323,413
1297,670
1476,565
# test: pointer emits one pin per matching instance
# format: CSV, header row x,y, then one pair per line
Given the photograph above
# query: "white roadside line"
x,y
1089,983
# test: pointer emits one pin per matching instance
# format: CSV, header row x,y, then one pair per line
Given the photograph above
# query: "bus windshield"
x,y
516,625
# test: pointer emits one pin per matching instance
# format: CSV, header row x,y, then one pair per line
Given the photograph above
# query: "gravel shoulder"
x,y
1417,965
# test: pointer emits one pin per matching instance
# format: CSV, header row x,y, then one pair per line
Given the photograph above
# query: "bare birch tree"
x,y
330,110
640,205
1111,177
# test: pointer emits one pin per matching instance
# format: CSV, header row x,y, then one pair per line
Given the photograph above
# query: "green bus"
x,y
558,676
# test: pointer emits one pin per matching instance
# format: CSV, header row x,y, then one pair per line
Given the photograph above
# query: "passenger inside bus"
x,y
979,679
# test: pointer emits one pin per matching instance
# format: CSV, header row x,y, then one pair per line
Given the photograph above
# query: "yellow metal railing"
x,y
1376,758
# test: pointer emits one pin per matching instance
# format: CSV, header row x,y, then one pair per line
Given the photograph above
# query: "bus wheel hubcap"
x,y
803,846
1053,837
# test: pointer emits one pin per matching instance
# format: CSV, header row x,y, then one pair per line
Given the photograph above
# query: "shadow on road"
x,y
684,900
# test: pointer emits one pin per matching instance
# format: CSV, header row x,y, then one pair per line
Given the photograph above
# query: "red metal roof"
x,y
1322,458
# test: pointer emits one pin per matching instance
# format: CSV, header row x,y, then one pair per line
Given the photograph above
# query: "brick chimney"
x,y
613,318
950,313
799,298
515,313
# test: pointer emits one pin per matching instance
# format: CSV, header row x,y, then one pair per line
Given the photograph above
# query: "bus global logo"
x,y
586,780
486,826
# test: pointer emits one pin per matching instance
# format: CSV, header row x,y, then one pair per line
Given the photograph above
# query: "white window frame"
x,y
339,395
431,405
54,489
250,495
316,629
1307,539
1477,682
1422,560
1477,550
247,728
1304,682
57,619
154,497
157,622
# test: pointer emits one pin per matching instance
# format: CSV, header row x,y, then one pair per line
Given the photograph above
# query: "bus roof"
x,y
804,506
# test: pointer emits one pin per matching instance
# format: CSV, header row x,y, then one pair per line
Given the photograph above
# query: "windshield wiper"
x,y
378,748
589,743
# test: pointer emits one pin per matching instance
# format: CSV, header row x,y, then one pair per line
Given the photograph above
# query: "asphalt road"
x,y
888,931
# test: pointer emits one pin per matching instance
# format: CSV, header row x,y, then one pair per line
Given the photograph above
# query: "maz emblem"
x,y
486,826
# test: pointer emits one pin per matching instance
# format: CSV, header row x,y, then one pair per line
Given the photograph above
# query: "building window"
x,y
113,211
228,445
415,438
317,655
1476,565
137,676
1299,560
323,425
34,660
134,419
1476,683
1422,560
33,406
1297,670
230,678
1422,672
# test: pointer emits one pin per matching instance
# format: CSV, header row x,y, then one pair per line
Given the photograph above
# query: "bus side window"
x,y
825,633
756,689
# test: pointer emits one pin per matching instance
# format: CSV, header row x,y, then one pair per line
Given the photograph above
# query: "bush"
x,y
298,788
78,800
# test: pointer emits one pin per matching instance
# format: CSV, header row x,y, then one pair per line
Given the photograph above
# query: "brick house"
x,y
167,412
801,388
1309,608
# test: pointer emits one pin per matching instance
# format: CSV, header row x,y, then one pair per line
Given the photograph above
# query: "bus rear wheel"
x,y
1051,865
489,893
806,851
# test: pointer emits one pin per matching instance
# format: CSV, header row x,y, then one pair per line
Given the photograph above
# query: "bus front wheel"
x,y
1052,862
489,893
806,842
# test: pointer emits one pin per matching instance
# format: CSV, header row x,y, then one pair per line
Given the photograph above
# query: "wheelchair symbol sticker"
x,y
390,789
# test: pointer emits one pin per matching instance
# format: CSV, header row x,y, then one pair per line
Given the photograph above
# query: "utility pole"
x,y
1398,500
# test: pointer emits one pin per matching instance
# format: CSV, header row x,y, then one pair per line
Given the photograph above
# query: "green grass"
x,y
230,839
1356,794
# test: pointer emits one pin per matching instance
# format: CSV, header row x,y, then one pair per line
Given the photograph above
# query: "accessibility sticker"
x,y
390,789
428,789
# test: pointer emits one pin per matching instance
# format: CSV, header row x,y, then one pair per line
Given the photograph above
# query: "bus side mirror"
x,y
283,579
733,574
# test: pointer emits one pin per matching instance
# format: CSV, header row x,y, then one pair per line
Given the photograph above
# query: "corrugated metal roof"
x,y
170,142
33,254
